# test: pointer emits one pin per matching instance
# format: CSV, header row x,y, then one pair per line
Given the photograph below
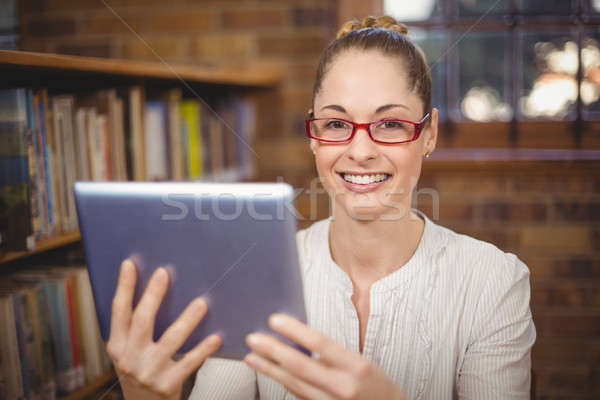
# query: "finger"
x,y
142,320
331,352
122,303
294,384
180,330
294,361
193,359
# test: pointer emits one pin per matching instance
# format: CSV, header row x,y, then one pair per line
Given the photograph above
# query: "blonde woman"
x,y
398,307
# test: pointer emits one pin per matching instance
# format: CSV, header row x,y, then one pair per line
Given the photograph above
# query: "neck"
x,y
370,250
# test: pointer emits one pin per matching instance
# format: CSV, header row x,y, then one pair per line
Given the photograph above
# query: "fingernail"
x,y
213,340
253,339
277,320
160,275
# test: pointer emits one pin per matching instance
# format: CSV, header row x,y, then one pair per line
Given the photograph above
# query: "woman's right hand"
x,y
145,368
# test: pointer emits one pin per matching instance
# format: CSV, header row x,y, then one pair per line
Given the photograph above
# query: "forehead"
x,y
366,79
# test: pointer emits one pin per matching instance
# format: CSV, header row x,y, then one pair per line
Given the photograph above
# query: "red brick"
x,y
577,211
551,238
539,267
313,16
551,184
561,294
181,22
476,183
224,47
292,45
110,25
575,326
168,48
563,380
558,352
253,18
50,28
580,267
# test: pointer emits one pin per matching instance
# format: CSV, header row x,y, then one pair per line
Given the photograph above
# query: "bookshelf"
x,y
211,90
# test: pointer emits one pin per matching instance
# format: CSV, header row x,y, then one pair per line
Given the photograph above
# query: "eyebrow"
x,y
380,109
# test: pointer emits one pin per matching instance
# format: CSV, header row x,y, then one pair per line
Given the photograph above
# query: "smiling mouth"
x,y
364,179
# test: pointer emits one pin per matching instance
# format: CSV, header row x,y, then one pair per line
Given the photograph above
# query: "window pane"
x,y
594,5
590,85
547,7
548,74
483,83
433,45
413,10
482,7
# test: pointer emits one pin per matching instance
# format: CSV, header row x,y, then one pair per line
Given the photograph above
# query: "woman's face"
x,y
366,87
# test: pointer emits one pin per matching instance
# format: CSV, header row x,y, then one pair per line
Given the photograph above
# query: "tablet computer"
x,y
231,243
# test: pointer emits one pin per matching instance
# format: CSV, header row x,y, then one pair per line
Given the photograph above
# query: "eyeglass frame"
x,y
366,126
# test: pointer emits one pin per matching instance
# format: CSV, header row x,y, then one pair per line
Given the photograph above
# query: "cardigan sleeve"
x,y
497,362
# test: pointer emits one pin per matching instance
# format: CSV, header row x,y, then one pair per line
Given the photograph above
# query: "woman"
x,y
397,306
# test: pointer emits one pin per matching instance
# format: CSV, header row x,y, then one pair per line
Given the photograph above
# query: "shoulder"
x,y
473,259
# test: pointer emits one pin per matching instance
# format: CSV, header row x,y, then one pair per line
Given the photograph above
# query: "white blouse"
x,y
452,323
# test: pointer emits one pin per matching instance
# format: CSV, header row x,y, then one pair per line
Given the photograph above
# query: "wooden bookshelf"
x,y
42,246
18,63
65,76
94,389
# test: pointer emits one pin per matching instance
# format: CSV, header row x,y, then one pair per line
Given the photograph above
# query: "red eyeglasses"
x,y
387,131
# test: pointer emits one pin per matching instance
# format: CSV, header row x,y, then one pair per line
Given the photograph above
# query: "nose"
x,y
362,149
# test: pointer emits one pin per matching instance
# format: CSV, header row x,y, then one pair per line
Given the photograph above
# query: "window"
x,y
515,64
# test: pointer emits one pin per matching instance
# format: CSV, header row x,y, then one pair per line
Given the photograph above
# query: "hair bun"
x,y
385,21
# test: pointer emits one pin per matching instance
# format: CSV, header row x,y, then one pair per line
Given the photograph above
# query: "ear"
x,y
313,146
431,133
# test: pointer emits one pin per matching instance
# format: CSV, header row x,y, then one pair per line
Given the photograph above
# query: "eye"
x,y
391,125
336,124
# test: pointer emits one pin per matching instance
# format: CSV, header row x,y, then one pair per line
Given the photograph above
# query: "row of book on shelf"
x,y
49,142
49,336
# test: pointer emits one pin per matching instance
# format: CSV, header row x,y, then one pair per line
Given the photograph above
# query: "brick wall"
x,y
548,213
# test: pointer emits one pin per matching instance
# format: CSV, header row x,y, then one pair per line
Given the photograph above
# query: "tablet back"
x,y
233,244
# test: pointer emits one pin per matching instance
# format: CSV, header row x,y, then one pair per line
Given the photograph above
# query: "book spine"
x,y
74,334
50,157
11,363
15,215
35,195
61,338
43,163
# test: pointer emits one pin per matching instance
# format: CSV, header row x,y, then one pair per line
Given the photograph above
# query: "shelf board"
x,y
258,76
93,389
41,246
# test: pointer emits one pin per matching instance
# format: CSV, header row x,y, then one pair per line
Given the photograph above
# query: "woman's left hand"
x,y
338,374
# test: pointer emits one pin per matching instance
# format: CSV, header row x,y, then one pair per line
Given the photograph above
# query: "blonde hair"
x,y
388,36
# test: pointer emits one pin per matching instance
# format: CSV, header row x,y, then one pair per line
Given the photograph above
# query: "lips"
x,y
364,179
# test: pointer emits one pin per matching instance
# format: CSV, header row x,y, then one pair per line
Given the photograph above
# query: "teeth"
x,y
364,179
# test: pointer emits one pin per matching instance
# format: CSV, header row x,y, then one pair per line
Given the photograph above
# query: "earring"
x,y
314,153
427,155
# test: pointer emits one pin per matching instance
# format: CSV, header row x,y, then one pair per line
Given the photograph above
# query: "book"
x,y
81,144
10,364
191,132
66,167
174,132
244,111
42,155
156,145
16,228
50,159
35,181
136,152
